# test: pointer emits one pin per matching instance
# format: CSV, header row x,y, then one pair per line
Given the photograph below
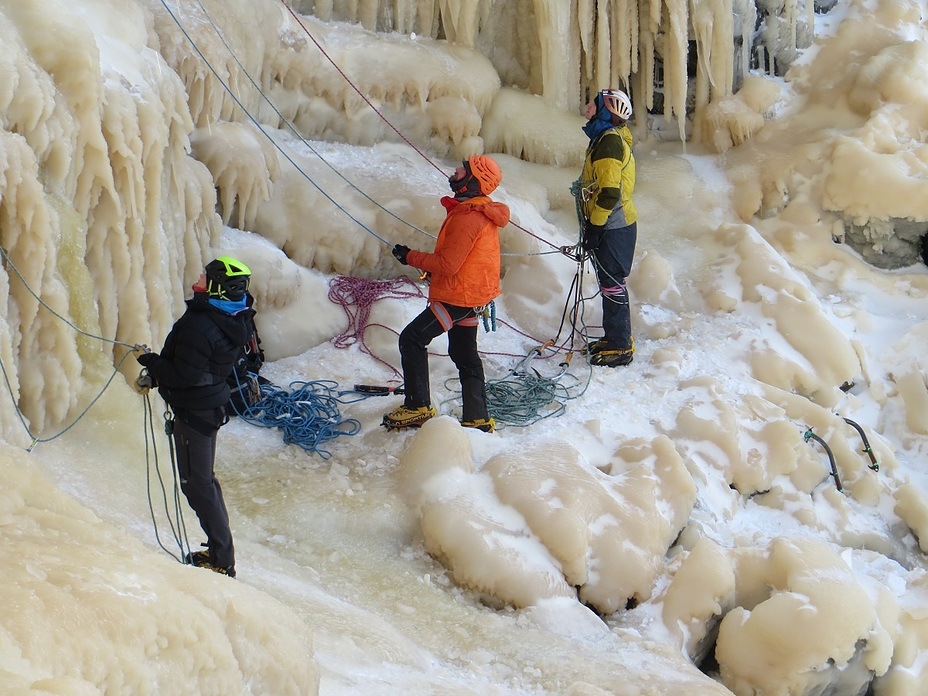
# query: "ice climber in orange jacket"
x,y
464,277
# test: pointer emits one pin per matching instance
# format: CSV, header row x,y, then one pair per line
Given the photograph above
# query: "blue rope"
x,y
308,414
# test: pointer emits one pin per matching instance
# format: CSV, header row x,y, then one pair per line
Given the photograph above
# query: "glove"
x,y
146,359
400,252
144,382
591,237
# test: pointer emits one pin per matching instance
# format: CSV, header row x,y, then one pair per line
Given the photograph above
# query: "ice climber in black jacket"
x,y
191,374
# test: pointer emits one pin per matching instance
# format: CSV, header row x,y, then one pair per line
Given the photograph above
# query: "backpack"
x,y
245,382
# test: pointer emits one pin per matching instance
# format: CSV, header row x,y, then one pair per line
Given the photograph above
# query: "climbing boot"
x,y
594,347
487,425
197,558
230,571
200,559
405,417
610,357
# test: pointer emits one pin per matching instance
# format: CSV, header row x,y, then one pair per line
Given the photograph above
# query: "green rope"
x,y
525,397
153,470
575,191
522,400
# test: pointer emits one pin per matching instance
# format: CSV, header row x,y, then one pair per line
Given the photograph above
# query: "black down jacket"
x,y
198,356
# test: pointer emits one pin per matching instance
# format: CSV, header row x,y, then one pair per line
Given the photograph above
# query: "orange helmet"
x,y
486,171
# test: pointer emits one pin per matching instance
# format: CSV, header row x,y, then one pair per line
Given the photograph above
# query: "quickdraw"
x,y
583,193
488,314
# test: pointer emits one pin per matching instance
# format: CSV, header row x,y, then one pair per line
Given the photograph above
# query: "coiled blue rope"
x,y
308,414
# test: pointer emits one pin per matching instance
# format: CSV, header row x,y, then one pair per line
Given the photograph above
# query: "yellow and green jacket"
x,y
608,180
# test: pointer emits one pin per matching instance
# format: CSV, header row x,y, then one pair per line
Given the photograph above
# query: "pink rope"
x,y
356,296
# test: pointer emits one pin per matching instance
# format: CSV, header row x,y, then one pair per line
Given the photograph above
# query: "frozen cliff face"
x,y
119,168
122,155
675,56
95,184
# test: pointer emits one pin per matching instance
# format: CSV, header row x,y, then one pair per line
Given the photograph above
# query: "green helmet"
x,y
227,278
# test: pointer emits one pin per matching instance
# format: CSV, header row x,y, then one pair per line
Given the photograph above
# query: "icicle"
x,y
427,16
656,8
791,15
461,20
585,23
404,17
39,352
624,31
675,56
347,9
651,15
747,11
645,50
367,14
713,26
602,74
634,29
553,21
323,10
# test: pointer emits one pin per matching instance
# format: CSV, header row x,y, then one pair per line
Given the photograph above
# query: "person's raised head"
x,y
478,175
486,171
617,103
227,279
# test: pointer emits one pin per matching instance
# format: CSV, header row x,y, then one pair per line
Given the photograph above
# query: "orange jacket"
x,y
466,260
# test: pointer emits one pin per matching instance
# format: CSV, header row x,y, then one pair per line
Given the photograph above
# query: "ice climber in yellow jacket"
x,y
464,275
610,226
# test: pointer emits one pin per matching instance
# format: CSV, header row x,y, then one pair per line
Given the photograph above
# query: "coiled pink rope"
x,y
356,296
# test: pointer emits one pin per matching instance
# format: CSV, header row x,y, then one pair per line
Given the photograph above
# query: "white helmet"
x,y
617,102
